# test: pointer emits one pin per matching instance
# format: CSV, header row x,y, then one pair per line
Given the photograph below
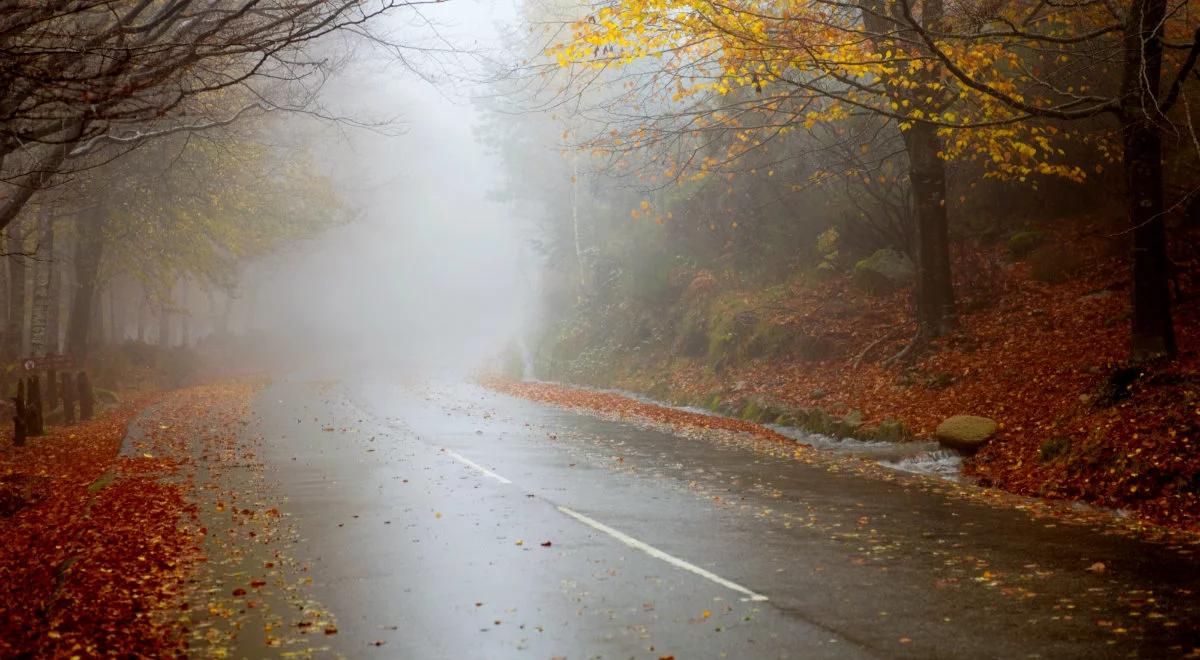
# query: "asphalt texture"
x,y
448,521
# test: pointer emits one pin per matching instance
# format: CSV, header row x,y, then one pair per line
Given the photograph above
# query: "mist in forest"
x,y
429,273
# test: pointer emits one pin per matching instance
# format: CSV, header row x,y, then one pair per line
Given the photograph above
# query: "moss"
x,y
883,272
1022,243
889,430
722,334
102,482
691,340
719,349
751,412
770,339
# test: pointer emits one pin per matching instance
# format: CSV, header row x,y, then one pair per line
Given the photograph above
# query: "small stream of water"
x,y
921,457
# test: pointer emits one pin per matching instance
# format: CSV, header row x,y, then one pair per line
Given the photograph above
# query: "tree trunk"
x,y
3,307
1153,332
185,319
43,296
579,260
935,286
927,176
15,328
164,326
111,334
225,313
54,308
67,391
88,252
252,309
141,322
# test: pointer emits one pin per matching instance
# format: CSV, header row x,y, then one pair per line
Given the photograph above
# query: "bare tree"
x,y
82,76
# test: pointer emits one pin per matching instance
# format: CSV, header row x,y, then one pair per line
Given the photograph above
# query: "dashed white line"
x,y
626,539
463,459
659,554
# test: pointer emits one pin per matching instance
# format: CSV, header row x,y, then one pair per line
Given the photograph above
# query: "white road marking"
x,y
659,554
463,459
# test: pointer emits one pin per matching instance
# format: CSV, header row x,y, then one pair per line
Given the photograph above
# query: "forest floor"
x,y
1048,362
105,542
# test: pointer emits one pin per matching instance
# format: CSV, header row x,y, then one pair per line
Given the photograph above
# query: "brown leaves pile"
x,y
97,548
87,558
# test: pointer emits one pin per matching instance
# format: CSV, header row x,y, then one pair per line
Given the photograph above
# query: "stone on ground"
x,y
965,433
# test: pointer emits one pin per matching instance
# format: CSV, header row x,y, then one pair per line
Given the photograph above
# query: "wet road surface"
x,y
450,521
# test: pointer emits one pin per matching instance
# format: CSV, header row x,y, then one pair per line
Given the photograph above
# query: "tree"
x,y
1078,47
88,76
18,255
763,70
189,209
43,326
999,82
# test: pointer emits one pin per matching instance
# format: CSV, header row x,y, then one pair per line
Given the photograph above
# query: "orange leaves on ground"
x,y
95,549
87,559
624,407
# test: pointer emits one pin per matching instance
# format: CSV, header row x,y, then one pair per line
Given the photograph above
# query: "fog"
x,y
430,273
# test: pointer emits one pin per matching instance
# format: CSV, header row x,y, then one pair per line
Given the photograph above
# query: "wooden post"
x,y
19,415
87,399
37,419
18,429
68,397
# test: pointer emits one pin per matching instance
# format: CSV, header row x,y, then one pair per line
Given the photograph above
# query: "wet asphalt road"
x,y
450,521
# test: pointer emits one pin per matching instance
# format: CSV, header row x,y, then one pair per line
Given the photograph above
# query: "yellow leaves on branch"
x,y
819,63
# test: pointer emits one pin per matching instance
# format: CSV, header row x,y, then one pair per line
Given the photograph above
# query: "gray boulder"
x,y
884,272
965,434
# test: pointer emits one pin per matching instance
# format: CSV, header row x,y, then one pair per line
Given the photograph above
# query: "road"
x,y
449,521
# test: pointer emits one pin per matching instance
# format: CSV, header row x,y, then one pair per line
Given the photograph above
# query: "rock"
x,y
1022,243
884,272
890,430
853,419
765,409
965,434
